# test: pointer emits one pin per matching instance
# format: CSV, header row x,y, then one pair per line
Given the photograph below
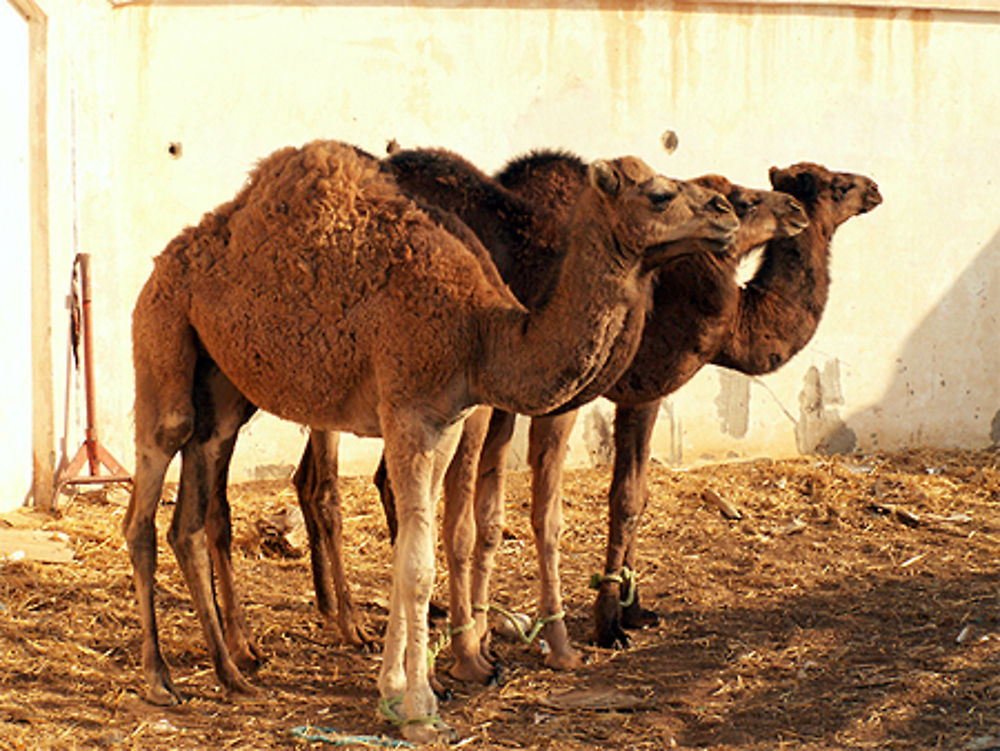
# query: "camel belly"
x,y
299,372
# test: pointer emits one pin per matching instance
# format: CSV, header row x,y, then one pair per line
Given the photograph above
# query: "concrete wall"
x,y
907,351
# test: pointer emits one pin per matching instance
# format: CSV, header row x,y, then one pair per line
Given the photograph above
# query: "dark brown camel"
x,y
699,315
295,296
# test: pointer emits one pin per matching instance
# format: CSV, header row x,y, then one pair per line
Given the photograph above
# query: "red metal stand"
x,y
91,452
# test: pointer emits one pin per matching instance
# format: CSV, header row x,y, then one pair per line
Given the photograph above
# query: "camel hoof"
x,y
163,694
570,660
473,670
431,732
440,691
357,636
250,661
239,687
498,677
610,635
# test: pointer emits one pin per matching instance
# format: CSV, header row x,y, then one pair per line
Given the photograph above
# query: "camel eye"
x,y
661,197
839,190
718,203
744,207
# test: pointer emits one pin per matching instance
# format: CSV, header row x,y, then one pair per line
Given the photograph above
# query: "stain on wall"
x,y
820,430
598,436
733,403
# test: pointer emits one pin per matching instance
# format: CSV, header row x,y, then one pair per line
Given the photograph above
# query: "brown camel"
x,y
520,236
292,297
529,269
549,178
699,315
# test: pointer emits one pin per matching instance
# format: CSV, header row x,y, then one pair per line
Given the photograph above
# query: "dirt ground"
x,y
854,605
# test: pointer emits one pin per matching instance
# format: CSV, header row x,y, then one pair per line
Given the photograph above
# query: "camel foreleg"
x,y
626,502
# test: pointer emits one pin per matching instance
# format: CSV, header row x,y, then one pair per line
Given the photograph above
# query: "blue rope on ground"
x,y
312,733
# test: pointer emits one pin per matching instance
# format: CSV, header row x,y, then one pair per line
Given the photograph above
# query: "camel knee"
x,y
173,430
488,536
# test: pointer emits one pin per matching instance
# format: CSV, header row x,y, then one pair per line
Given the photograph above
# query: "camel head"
x,y
763,214
656,211
843,194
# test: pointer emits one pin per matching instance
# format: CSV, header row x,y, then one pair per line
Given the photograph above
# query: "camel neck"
x,y
538,360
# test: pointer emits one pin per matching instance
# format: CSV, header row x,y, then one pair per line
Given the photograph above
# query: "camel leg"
x,y
316,486
459,539
417,451
381,481
164,420
548,440
213,388
626,501
489,516
219,413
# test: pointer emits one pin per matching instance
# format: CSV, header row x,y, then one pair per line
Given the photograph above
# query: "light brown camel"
x,y
298,290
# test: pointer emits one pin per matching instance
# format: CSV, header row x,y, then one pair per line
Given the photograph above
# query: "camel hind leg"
x,y
315,482
220,410
459,539
215,394
626,501
548,440
164,355
489,517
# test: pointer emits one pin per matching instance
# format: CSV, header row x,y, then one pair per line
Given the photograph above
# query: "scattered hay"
x,y
852,604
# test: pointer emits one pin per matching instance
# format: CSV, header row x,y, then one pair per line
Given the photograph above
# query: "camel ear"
x,y
603,176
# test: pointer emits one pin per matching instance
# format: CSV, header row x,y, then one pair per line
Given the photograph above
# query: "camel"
x,y
292,298
699,316
437,177
520,236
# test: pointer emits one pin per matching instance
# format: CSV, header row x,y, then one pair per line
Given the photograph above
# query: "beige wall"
x,y
907,352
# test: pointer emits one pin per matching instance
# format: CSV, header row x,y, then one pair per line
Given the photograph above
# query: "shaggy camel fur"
x,y
291,298
520,237
437,177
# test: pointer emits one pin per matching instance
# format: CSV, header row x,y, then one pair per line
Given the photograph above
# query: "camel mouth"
x,y
667,254
872,199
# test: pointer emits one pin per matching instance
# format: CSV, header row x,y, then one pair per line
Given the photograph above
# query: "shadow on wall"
x,y
946,389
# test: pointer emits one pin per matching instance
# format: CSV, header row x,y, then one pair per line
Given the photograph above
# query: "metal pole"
x,y
88,365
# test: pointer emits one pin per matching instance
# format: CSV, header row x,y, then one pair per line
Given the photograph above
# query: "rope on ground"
x,y
536,627
334,737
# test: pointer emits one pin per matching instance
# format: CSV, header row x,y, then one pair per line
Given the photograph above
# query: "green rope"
x,y
388,709
536,627
443,640
625,578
